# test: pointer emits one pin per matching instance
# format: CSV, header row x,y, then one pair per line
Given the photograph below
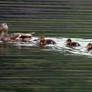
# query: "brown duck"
x,y
13,37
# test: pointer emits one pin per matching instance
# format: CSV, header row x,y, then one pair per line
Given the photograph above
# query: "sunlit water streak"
x,y
61,47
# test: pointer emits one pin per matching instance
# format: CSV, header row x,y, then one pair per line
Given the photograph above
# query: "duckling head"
x,y
68,41
41,38
89,45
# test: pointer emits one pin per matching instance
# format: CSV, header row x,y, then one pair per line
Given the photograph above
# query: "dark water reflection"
x,y
32,68
29,68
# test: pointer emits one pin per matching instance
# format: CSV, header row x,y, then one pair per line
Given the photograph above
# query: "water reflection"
x,y
3,45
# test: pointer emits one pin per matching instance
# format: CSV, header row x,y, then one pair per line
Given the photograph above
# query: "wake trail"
x,y
61,47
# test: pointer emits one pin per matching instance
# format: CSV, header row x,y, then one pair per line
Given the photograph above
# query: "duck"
x,y
13,37
43,42
69,43
89,47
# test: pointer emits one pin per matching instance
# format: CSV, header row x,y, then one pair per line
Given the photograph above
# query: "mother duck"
x,y
13,37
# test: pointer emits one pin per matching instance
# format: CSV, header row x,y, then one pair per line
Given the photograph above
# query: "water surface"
x,y
24,67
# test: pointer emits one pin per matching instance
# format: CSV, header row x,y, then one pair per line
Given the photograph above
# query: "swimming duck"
x,y
13,37
89,46
42,41
71,44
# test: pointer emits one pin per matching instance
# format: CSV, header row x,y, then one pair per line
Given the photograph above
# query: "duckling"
x,y
42,41
71,44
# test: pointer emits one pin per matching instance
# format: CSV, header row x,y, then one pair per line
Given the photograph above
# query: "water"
x,y
24,67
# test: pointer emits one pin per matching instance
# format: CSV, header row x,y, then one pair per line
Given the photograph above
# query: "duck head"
x,y
4,26
41,38
68,41
89,46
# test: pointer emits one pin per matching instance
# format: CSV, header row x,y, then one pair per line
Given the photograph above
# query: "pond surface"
x,y
24,67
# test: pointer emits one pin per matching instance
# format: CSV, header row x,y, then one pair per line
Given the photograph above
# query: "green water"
x,y
32,69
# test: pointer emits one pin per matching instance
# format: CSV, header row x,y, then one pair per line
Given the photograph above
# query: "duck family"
x,y
25,37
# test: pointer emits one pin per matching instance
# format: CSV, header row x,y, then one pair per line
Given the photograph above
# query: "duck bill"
x,y
1,28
